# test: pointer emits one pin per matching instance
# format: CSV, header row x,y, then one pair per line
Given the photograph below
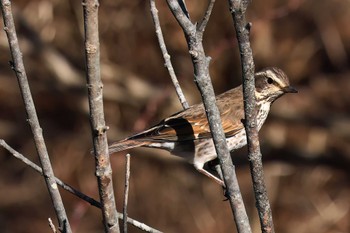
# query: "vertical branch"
x,y
194,37
94,84
166,55
32,118
238,9
126,193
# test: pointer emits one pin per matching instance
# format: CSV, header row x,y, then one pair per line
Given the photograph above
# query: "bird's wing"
x,y
192,124
230,119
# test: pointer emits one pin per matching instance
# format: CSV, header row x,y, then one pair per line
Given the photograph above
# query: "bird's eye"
x,y
269,80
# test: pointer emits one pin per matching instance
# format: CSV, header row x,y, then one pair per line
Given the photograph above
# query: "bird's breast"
x,y
262,114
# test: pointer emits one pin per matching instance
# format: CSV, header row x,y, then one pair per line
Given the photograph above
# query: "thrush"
x,y
187,134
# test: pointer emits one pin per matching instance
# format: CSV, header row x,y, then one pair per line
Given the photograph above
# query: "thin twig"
x,y
52,226
139,225
126,193
65,186
203,81
72,190
98,126
32,118
203,23
166,56
242,29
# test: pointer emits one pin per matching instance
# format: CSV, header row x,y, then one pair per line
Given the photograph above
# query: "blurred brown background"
x,y
305,141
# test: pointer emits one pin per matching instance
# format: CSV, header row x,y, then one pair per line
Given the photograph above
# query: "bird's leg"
x,y
211,176
215,166
219,171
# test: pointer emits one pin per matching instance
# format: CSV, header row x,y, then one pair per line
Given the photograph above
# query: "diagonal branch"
x,y
238,9
65,186
140,225
166,55
32,118
181,17
203,23
202,78
72,190
98,126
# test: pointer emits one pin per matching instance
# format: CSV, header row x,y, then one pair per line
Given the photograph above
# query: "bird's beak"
x,y
290,89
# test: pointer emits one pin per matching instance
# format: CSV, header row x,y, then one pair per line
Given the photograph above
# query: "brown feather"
x,y
124,145
192,124
187,133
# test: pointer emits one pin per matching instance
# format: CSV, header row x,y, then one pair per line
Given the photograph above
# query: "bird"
x,y
187,134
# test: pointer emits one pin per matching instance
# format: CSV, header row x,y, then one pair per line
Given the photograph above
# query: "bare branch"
x,y
203,81
52,226
166,55
139,225
238,9
203,23
94,84
58,181
32,118
126,193
72,190
181,17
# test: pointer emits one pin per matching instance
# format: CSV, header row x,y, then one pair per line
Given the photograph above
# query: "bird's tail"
x,y
125,145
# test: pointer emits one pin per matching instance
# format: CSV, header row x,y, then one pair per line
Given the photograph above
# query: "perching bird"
x,y
187,134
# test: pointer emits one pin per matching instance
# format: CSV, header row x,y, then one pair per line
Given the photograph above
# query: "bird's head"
x,y
271,83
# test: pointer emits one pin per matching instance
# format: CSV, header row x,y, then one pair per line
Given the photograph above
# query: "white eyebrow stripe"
x,y
273,75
